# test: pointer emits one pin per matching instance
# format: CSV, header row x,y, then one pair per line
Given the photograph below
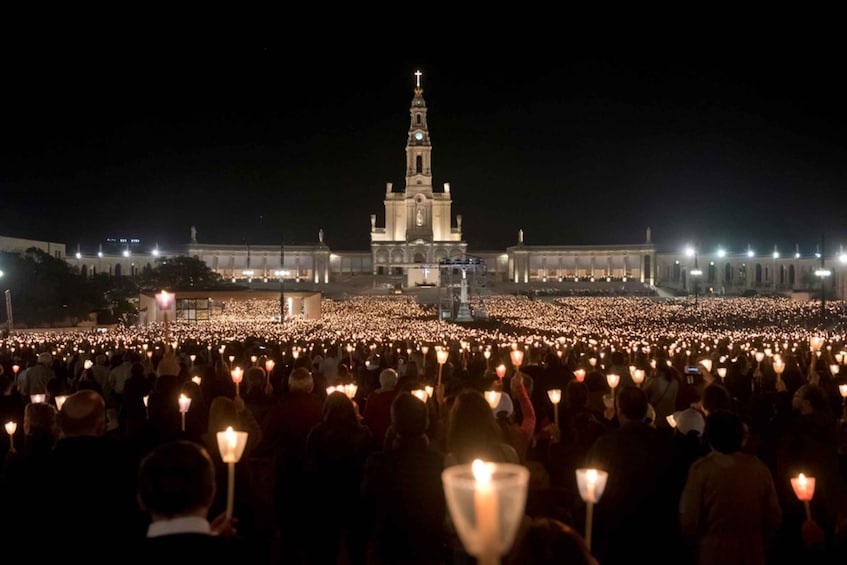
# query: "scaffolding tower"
x,y
463,282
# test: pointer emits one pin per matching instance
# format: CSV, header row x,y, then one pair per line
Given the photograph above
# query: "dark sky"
x,y
723,140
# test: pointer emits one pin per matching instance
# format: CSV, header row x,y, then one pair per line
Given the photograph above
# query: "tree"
x,y
46,290
182,273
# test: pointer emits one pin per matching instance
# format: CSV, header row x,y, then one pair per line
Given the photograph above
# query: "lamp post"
x,y
823,273
695,274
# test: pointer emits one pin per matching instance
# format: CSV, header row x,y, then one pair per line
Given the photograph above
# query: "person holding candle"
x,y
88,483
403,495
176,488
729,510
251,503
377,413
808,444
336,451
284,432
639,499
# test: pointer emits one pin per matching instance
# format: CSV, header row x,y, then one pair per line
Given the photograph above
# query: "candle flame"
x,y
481,472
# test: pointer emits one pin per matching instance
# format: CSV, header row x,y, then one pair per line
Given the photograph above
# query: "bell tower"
x,y
418,224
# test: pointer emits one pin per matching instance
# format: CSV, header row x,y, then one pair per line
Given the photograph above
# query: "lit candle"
x,y
579,374
555,396
11,428
269,365
421,394
237,375
501,371
493,398
60,400
804,489
486,513
196,380
231,446
184,404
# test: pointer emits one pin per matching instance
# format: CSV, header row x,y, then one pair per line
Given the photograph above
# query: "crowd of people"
x,y
700,414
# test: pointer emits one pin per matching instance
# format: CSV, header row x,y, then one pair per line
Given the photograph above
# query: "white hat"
x,y
505,405
690,419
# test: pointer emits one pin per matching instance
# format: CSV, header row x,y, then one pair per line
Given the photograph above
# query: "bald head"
x,y
83,414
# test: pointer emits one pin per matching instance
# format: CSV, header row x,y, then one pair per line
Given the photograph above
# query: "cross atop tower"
x,y
418,78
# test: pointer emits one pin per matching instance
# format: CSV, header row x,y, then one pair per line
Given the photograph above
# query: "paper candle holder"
x,y
486,502
231,445
60,400
804,487
591,484
420,394
555,395
38,398
493,397
517,357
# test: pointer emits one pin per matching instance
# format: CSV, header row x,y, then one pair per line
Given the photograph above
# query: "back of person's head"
x,y
472,430
632,404
715,397
666,372
176,479
137,371
388,379
412,371
5,383
301,380
45,358
40,417
83,414
343,374
547,541
222,414
811,398
255,378
690,421
576,394
618,358
339,410
101,359
724,431
409,415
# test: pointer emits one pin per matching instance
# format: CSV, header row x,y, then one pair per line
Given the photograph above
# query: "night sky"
x,y
717,142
